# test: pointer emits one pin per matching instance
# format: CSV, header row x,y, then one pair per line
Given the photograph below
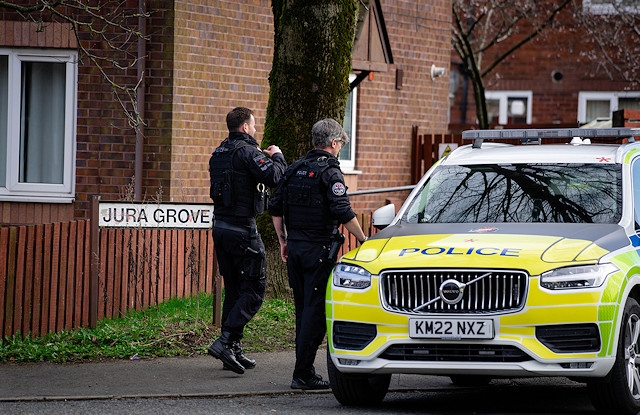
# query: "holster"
x,y
254,265
337,239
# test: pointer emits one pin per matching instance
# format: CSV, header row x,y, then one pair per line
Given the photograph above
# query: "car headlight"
x,y
351,276
586,276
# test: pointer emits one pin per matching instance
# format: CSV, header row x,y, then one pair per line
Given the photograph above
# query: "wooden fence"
x,y
44,280
425,150
52,279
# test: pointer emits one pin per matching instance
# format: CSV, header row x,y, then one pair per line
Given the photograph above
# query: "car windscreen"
x,y
569,193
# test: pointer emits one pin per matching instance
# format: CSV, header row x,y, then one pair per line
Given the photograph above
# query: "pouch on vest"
x,y
221,191
261,199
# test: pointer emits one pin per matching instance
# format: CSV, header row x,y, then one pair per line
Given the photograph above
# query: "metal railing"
x,y
381,190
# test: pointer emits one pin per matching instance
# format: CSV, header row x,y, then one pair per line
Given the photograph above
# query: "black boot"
x,y
222,349
240,357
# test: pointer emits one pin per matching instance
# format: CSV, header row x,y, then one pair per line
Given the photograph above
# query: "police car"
x,y
508,259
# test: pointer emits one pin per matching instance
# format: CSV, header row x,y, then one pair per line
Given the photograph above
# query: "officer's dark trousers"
x,y
308,275
243,296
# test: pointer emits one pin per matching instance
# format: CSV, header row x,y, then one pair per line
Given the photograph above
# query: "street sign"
x,y
155,215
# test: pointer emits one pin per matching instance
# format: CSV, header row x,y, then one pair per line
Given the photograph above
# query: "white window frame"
x,y
14,190
503,99
611,96
349,165
609,8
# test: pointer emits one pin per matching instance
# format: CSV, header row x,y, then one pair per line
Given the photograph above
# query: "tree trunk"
x,y
309,78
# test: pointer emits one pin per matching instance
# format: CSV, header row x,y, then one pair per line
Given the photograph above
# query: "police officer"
x,y
307,207
240,177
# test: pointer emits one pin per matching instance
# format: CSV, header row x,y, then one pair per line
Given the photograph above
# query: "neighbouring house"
x,y
548,81
64,138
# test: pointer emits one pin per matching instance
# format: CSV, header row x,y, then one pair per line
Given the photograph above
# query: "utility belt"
x,y
235,224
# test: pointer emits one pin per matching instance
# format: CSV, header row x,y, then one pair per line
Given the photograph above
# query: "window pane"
x,y
493,110
345,151
598,109
629,104
42,122
4,109
517,110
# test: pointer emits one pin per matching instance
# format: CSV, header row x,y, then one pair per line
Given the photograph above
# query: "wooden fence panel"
x,y
425,150
45,273
4,268
11,280
19,285
38,290
62,276
49,279
86,273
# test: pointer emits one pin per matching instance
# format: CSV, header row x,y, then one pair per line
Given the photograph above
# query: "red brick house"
x,y
547,81
65,138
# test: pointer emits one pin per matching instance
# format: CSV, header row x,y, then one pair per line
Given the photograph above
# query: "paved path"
x,y
165,377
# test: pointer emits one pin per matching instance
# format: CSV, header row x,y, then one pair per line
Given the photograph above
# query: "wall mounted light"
x,y
436,72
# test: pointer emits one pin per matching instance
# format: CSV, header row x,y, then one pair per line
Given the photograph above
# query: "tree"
x,y
310,74
480,26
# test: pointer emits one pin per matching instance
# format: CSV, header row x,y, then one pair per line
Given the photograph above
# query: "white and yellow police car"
x,y
504,261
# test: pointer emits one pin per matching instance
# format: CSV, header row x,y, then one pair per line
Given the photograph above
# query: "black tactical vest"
x,y
305,203
231,188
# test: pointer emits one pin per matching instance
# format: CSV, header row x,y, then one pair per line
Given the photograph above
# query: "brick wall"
x,y
105,163
222,57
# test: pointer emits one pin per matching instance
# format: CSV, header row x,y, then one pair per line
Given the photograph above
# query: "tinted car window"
x,y
571,193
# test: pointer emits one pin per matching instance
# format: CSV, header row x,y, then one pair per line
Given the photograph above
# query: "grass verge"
x,y
178,327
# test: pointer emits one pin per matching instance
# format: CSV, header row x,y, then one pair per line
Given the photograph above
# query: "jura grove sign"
x,y
155,215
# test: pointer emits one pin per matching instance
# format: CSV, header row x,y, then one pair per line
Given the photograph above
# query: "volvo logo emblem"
x,y
452,291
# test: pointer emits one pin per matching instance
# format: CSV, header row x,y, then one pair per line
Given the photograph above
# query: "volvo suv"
x,y
511,257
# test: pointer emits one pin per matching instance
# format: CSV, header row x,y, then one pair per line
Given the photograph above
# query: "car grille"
x,y
485,291
455,353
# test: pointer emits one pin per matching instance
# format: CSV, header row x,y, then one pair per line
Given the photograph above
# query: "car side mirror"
x,y
383,216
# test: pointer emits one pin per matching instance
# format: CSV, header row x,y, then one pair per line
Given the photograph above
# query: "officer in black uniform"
x,y
307,207
240,177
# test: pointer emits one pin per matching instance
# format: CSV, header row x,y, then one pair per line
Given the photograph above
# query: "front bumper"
x,y
568,333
